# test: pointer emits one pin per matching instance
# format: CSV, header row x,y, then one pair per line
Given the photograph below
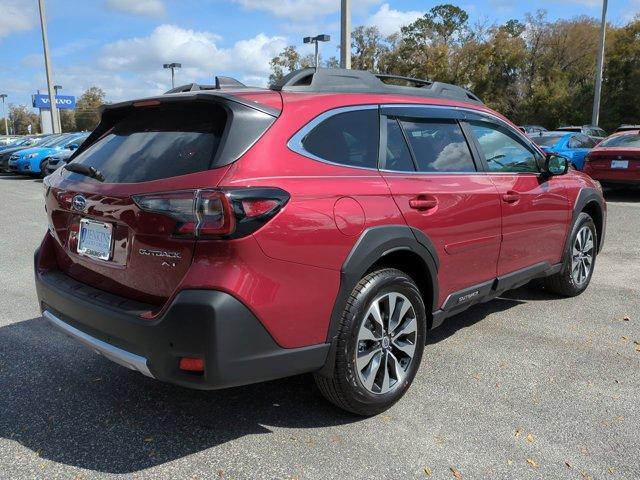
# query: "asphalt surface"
x,y
527,386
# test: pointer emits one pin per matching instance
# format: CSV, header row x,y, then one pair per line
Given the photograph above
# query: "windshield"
x,y
631,140
546,140
49,142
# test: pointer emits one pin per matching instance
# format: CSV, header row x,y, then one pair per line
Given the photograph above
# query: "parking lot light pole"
x,y
172,67
4,114
47,65
345,34
56,88
315,40
595,116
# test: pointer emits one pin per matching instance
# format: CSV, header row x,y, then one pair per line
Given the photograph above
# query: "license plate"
x,y
619,163
95,239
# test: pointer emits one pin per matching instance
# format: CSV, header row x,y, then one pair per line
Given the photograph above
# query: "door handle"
x,y
422,203
511,197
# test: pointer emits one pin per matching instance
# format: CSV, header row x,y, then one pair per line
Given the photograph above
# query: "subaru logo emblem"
x,y
79,203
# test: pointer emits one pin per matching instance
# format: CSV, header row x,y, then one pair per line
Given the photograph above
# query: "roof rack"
x,y
358,81
222,83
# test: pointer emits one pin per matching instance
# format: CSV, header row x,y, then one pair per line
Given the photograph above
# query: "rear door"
x,y
535,208
578,147
432,175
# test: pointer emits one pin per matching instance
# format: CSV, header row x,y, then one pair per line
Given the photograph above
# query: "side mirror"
x,y
73,146
556,164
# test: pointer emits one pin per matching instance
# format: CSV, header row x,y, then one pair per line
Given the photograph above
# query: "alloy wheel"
x,y
386,343
582,255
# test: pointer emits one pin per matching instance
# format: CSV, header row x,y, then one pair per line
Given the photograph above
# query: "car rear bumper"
x,y
207,324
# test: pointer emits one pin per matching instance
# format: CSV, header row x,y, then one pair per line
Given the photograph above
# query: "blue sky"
x,y
120,45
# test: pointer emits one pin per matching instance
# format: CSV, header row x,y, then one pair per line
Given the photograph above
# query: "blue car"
x,y
572,145
32,161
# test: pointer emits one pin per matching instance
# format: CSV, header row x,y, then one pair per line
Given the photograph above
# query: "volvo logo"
x,y
79,203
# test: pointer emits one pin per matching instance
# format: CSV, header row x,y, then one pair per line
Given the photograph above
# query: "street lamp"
x,y
172,66
4,113
595,115
315,40
47,65
56,88
345,34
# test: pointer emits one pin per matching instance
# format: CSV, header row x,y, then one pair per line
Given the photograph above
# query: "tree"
x,y
367,48
67,120
87,113
20,117
287,61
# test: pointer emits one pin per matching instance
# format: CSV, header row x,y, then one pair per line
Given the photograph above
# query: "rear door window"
x,y
438,146
398,156
158,142
347,138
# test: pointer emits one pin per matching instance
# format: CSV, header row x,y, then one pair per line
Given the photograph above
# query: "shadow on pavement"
x,y
77,408
478,312
629,194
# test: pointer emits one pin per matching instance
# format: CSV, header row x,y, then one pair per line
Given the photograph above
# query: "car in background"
x,y
574,146
39,141
32,161
532,129
6,140
616,160
58,160
592,131
626,128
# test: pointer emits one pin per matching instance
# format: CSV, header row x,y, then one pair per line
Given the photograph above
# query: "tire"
x,y
43,168
357,385
570,282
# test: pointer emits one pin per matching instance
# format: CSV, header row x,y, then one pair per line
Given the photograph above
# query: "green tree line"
x,y
533,70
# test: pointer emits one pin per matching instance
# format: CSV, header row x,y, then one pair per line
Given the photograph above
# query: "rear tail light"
x,y
228,213
189,364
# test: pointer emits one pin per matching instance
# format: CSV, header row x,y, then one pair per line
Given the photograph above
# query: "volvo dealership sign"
x,y
62,101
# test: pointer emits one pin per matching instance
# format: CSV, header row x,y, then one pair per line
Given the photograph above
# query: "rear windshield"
x,y
631,140
546,140
158,142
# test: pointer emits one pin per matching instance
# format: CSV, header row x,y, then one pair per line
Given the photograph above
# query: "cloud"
x,y
16,16
304,10
389,21
149,8
198,52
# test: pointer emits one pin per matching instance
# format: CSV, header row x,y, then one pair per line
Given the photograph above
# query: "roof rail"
x,y
222,83
358,81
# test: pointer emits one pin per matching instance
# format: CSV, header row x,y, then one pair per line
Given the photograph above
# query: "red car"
x,y
616,160
215,236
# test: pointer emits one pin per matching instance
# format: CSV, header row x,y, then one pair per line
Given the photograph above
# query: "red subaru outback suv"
x,y
224,235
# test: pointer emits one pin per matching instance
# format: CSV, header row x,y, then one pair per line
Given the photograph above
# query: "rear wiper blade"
x,y
84,170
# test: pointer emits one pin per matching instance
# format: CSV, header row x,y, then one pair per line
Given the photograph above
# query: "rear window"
x,y
158,142
546,140
632,140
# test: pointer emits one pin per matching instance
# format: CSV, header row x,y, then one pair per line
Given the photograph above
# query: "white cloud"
x,y
198,52
389,21
151,8
304,10
16,16
138,61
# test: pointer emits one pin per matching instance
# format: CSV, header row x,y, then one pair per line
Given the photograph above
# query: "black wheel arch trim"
x,y
372,245
586,196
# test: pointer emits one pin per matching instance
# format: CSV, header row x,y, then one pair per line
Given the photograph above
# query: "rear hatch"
x,y
122,210
615,159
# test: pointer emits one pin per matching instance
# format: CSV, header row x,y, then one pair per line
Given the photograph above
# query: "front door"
x,y
433,178
535,208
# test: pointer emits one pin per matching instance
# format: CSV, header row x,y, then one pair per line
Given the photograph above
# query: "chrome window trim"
x,y
492,116
295,143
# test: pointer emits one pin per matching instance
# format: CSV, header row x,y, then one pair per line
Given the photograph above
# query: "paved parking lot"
x,y
526,386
